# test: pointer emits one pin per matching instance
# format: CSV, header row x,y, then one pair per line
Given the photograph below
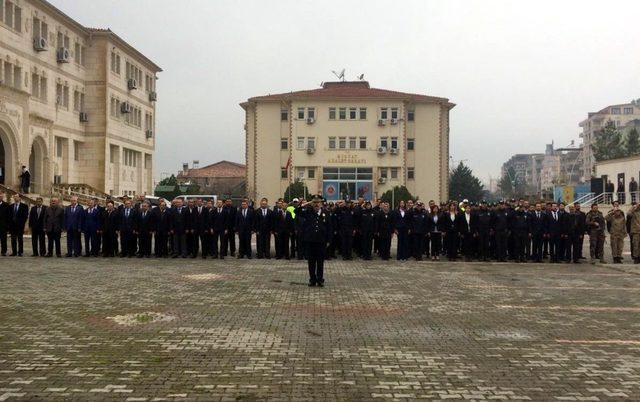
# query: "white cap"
x,y
465,201
296,200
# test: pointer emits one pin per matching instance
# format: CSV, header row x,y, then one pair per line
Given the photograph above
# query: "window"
x,y
311,173
76,150
384,142
383,172
79,54
62,95
300,113
384,113
284,115
352,113
63,40
149,83
133,72
352,142
411,115
78,101
363,113
284,173
311,112
300,173
411,144
300,143
332,142
394,142
148,122
332,113
115,62
342,113
628,110
342,142
615,110
59,147
130,157
113,153
311,142
11,15
410,173
17,77
394,173
284,143
40,28
39,87
363,143
394,112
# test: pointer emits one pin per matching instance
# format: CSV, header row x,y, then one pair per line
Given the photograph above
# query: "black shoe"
x,y
320,284
312,284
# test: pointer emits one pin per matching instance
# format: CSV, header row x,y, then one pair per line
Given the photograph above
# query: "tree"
x,y
297,189
608,143
169,181
397,194
632,144
463,184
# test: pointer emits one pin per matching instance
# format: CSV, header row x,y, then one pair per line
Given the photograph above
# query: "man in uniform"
x,y
317,233
346,221
537,231
595,226
244,227
384,231
482,228
577,234
501,227
634,230
616,223
366,229
418,228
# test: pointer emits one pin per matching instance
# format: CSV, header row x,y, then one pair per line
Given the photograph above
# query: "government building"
x,y
346,140
77,104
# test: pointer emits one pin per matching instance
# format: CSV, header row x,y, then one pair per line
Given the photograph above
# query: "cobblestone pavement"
x,y
130,329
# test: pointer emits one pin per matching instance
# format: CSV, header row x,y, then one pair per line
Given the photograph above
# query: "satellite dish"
x,y
361,77
340,75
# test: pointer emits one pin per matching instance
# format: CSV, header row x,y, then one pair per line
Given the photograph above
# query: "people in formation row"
x,y
512,230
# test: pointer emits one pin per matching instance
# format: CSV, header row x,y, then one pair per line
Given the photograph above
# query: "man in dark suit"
x,y
385,227
128,230
317,233
553,232
73,215
200,226
282,226
179,227
482,230
36,224
577,233
264,229
218,222
110,226
418,229
19,216
244,228
25,180
5,218
230,236
538,219
53,225
163,228
146,227
92,228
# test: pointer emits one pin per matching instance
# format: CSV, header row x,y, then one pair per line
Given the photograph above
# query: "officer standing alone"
x,y
316,234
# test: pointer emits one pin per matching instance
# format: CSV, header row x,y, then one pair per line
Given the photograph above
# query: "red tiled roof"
x,y
218,169
349,90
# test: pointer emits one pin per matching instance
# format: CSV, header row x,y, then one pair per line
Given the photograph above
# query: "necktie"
x,y
144,214
127,214
244,213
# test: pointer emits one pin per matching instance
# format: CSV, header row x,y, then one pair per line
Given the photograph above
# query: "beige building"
x,y
347,138
595,122
77,104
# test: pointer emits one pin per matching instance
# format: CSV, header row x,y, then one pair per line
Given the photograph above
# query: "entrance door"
x,y
347,190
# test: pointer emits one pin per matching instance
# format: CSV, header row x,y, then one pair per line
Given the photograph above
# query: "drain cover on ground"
x,y
149,317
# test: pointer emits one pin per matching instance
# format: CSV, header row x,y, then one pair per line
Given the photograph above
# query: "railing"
x,y
584,199
83,192
9,193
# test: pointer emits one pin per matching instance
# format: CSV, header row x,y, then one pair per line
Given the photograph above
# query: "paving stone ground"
x,y
253,330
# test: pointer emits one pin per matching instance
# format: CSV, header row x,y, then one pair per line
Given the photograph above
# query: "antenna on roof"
x,y
340,75
361,77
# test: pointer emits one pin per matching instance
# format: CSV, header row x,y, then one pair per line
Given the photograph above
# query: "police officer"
x,y
482,228
316,232
595,226
366,229
418,229
346,219
384,231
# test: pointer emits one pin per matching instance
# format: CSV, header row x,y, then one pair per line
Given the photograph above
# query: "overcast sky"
x,y
521,73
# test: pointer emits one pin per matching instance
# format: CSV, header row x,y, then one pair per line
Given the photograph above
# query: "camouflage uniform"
x,y
618,231
595,228
634,230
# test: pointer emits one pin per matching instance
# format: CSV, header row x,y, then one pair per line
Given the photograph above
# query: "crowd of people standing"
x,y
511,230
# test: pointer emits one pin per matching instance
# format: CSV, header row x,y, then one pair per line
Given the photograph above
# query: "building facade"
x,y
622,115
77,104
346,140
224,178
525,169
